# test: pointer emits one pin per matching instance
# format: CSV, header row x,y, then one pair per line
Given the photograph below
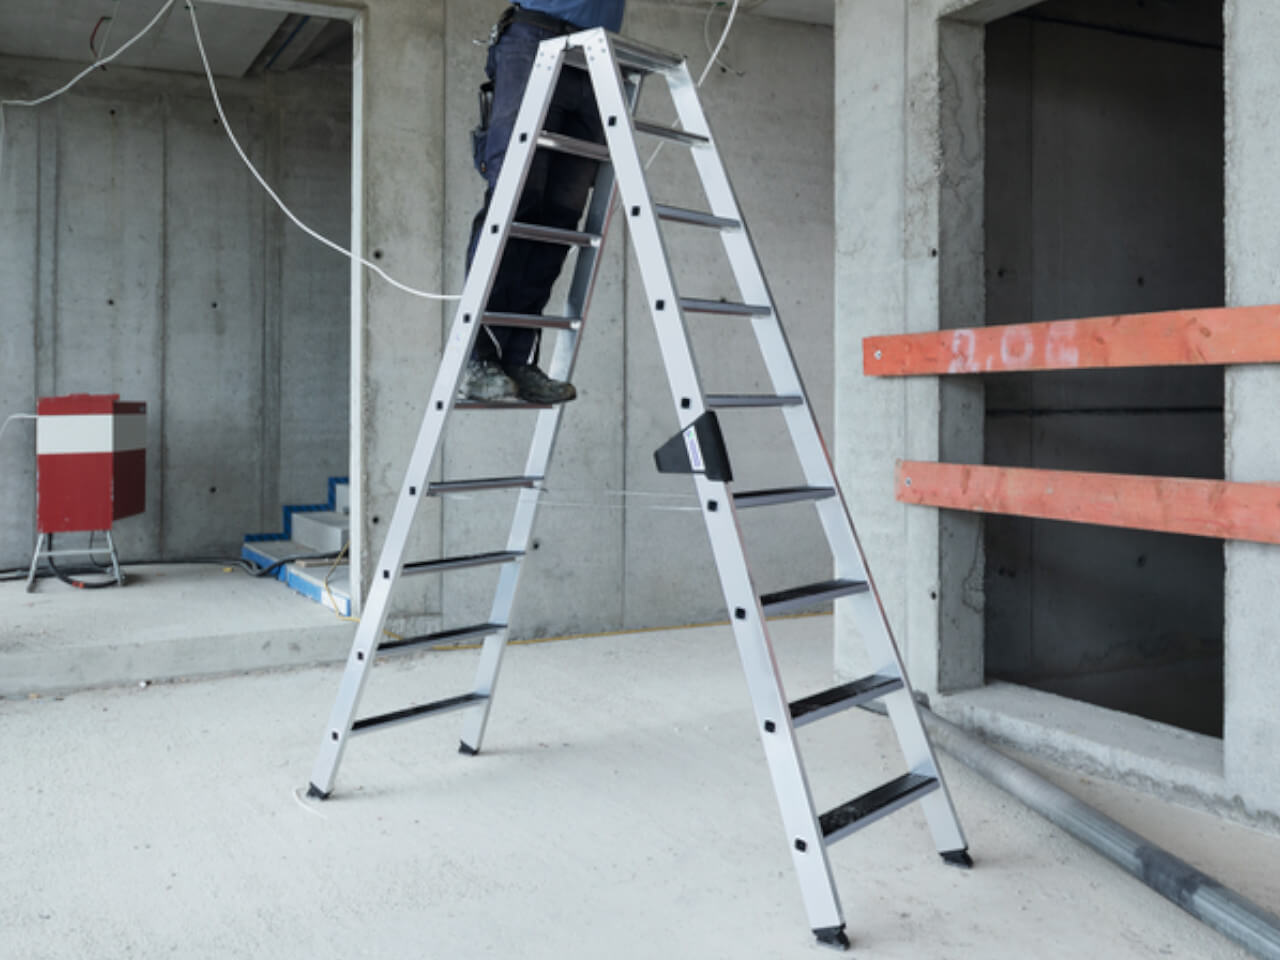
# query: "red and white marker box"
x,y
91,461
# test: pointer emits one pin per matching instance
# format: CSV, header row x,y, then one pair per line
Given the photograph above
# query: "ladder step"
x,y
534,320
695,217
843,697
582,148
462,563
800,598
722,401
641,56
670,133
416,713
480,483
499,405
456,635
543,234
693,305
767,498
871,806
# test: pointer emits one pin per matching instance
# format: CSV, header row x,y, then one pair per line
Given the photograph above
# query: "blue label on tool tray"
x,y
695,452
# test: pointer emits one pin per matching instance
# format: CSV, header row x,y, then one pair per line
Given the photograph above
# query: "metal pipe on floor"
x,y
1254,928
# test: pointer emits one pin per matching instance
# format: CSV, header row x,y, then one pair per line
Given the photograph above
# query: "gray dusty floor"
x,y
621,809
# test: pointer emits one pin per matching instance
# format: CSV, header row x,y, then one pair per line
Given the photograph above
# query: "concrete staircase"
x,y
312,528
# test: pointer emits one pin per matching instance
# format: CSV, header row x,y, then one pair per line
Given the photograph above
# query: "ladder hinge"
x,y
698,448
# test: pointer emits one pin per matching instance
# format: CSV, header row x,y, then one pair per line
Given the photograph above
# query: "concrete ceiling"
x,y
806,11
237,39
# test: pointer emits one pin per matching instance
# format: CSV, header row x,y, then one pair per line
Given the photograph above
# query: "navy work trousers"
x,y
555,192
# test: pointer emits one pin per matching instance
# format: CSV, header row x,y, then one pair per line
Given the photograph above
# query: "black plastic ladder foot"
x,y
958,858
467,749
834,937
314,792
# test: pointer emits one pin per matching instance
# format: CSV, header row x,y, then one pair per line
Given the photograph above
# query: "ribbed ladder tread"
x,y
800,598
499,405
544,234
725,307
366,724
581,148
531,320
670,133
456,635
843,697
862,811
727,401
461,563
695,217
480,483
767,498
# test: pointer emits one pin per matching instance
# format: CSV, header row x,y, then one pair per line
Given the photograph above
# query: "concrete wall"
x,y
617,545
1252,733
1104,196
137,257
909,256
248,399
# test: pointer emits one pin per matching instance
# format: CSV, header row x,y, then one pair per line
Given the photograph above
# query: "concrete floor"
x,y
621,808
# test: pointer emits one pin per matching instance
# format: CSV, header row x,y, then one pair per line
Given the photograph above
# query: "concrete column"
x,y
870,293
1251,732
909,258
403,112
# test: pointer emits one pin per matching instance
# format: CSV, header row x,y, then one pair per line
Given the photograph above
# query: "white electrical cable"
x,y
102,61
12,417
724,35
337,248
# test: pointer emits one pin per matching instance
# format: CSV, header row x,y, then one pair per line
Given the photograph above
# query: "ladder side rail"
x,y
454,357
773,713
778,357
768,697
871,620
586,271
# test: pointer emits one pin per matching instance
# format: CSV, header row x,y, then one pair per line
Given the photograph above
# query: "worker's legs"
x,y
556,192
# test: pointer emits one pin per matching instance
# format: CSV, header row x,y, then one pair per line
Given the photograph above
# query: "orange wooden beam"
x,y
1202,508
1181,337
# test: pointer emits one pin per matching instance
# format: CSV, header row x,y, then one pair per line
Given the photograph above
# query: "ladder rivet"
x,y
770,726
413,491
660,305
334,735
386,574
360,655
466,318
712,506
494,228
635,211
801,845
439,404
740,613
685,403
524,138
613,121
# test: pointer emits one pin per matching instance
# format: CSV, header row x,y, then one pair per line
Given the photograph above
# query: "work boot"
x,y
485,381
534,386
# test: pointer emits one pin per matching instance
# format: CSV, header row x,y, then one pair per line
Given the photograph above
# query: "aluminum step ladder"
x,y
617,67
